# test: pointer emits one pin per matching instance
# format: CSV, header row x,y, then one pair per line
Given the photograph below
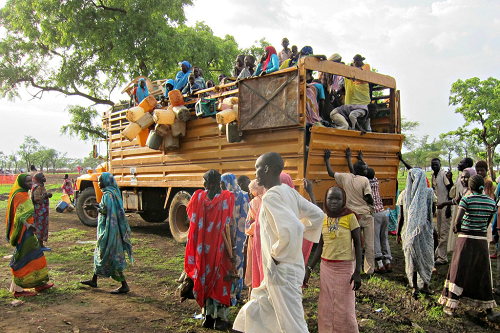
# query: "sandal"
x,y
24,293
44,287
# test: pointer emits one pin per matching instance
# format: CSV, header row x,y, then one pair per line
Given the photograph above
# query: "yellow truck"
x,y
157,184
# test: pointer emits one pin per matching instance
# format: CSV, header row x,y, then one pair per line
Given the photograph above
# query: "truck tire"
x,y
154,215
87,216
178,218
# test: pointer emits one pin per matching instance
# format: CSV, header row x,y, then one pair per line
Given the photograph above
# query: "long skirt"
x,y
469,278
28,263
337,300
41,220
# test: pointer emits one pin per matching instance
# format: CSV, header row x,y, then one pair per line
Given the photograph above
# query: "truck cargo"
x,y
271,116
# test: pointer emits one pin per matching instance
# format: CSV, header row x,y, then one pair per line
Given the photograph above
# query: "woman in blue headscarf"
x,y
113,236
142,90
229,182
169,86
181,78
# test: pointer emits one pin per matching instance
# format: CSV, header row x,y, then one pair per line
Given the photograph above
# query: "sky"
x,y
425,45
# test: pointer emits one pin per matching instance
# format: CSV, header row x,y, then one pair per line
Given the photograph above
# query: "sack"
x,y
61,206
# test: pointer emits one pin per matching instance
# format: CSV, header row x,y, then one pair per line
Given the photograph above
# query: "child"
x,y
336,307
469,276
192,86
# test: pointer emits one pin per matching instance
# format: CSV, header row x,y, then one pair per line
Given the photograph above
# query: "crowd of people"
x,y
259,235
281,228
332,100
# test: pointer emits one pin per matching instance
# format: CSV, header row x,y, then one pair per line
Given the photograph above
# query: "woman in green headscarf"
x,y
28,263
113,236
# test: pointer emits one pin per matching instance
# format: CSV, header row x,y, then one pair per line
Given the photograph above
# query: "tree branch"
x,y
66,92
109,8
76,129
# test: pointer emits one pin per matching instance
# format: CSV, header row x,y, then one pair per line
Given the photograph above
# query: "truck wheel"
x,y
88,216
178,218
154,215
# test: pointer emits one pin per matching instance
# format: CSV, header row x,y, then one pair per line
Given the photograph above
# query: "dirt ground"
x,y
384,303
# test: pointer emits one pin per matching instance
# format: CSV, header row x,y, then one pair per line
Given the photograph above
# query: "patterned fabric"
x,y
240,216
312,108
377,200
67,187
478,211
28,264
113,232
206,261
41,216
417,233
337,300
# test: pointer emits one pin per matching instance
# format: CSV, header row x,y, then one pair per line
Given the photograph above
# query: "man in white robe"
x,y
285,219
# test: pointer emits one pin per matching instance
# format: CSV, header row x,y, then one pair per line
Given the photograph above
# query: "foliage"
x,y
27,151
85,48
256,50
83,124
479,103
199,46
424,152
408,128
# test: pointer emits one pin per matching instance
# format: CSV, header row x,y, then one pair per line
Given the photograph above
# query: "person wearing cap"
x,y
182,76
286,53
356,91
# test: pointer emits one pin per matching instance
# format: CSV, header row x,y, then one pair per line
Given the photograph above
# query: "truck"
x,y
158,184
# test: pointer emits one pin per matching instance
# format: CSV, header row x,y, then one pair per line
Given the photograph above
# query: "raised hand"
x,y
327,155
348,152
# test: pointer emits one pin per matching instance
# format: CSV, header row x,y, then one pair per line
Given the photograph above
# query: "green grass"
x,y
402,177
71,234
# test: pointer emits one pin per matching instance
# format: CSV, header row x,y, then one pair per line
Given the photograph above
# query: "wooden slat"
x,y
331,67
379,152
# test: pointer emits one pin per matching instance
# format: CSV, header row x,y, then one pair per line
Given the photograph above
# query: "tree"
x,y
13,158
408,127
28,149
83,124
257,50
479,103
85,47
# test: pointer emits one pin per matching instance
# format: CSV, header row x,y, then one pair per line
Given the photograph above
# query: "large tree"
x,y
479,103
85,47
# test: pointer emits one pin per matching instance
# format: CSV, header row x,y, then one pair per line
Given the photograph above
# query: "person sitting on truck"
x,y
181,78
222,78
113,236
269,62
286,52
353,117
169,86
198,78
192,86
239,65
142,90
211,212
304,52
359,200
210,84
249,67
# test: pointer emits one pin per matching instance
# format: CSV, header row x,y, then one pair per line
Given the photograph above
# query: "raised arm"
x,y
348,156
327,155
309,190
407,166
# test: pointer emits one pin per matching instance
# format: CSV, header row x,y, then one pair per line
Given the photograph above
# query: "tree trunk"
x,y
490,151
